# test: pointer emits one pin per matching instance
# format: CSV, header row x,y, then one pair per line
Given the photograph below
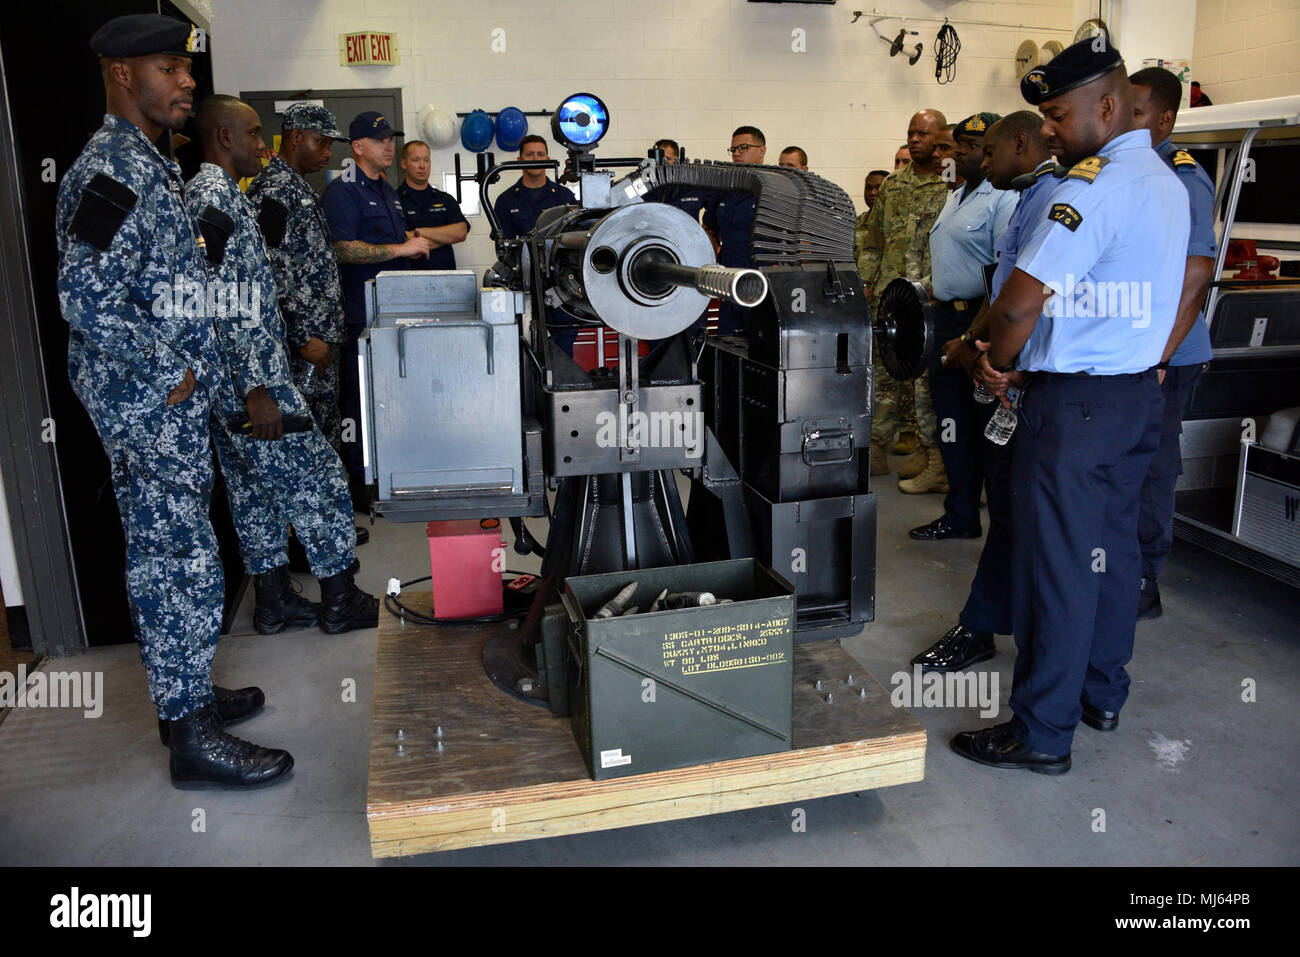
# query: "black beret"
x,y
142,34
1080,63
976,124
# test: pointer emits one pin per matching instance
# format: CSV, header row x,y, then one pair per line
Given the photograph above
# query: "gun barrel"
x,y
744,287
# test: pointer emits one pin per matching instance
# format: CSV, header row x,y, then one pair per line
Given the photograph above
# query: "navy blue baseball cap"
x,y
371,124
1076,65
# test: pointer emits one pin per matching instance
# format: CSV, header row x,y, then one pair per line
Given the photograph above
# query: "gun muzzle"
x,y
744,287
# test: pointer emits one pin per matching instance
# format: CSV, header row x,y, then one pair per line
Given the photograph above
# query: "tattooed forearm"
x,y
355,252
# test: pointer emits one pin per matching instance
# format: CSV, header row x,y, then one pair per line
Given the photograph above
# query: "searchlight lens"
x,y
580,121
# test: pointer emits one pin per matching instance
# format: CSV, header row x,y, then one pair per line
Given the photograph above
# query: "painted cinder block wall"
x,y
689,70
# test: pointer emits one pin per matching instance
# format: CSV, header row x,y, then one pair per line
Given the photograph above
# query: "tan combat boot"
x,y
906,443
915,464
932,479
879,461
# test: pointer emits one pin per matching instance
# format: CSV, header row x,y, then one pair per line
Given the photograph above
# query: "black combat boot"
x,y
278,606
231,706
205,756
344,606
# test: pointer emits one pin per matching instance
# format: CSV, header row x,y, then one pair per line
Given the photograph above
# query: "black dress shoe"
x,y
1101,720
230,705
956,650
940,529
1149,600
363,535
205,756
997,747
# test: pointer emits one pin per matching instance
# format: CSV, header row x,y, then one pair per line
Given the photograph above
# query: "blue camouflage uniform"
x,y
1112,245
731,217
297,479
431,208
962,242
1156,513
988,606
301,249
131,287
368,210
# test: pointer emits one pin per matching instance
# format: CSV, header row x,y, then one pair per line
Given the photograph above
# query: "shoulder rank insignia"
x,y
1087,169
1066,215
1183,158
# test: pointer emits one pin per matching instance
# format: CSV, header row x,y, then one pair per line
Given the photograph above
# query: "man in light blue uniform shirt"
x,y
1156,93
1016,157
961,244
1088,308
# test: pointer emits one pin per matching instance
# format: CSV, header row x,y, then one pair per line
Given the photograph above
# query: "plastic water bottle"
x,y
311,384
982,394
1003,423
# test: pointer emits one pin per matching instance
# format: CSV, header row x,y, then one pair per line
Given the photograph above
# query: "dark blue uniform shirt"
x,y
431,208
731,216
370,211
518,207
691,200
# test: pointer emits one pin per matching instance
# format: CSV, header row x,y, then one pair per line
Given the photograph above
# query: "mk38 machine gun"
x,y
471,410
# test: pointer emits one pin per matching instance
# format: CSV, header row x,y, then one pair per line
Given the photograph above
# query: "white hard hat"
x,y
438,125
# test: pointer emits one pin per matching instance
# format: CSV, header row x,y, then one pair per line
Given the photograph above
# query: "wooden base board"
x,y
508,771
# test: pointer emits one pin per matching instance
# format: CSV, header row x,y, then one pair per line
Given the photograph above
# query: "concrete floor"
x,y
1193,775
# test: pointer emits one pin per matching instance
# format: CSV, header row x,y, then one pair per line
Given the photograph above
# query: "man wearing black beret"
x,y
143,358
1077,331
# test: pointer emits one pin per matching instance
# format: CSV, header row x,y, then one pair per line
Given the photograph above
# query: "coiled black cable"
x,y
946,48
399,610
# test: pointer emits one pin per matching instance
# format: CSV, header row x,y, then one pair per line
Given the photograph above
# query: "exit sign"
x,y
368,49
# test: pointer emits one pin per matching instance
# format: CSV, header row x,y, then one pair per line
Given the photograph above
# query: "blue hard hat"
x,y
512,126
476,132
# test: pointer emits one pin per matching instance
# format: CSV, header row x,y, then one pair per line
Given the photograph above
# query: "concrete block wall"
x,y
689,69
1247,49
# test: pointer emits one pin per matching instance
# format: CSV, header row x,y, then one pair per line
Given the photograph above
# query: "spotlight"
x,y
580,121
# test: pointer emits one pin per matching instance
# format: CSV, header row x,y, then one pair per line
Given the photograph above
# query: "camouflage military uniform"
x,y
894,241
297,479
129,259
307,277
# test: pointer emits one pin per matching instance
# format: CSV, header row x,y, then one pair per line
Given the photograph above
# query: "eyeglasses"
x,y
742,149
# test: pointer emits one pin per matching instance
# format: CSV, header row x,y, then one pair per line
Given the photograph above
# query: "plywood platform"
x,y
508,771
